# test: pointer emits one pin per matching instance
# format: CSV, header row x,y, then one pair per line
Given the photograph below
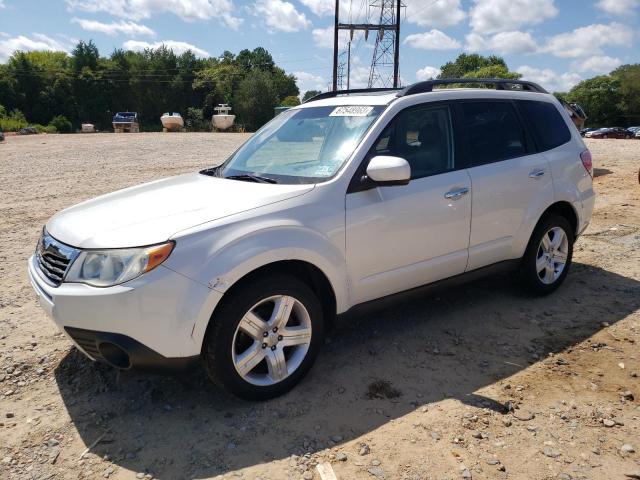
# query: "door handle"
x,y
456,194
536,173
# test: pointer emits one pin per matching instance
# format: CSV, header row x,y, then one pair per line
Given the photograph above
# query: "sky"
x,y
556,43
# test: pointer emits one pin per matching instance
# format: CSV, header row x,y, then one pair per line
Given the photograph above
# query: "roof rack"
x,y
498,83
427,86
335,93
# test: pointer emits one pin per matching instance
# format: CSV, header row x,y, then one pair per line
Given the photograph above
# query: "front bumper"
x,y
150,318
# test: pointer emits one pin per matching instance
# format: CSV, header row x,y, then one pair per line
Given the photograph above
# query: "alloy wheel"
x,y
552,255
271,340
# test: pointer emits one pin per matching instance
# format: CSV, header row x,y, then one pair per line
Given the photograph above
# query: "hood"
x,y
153,212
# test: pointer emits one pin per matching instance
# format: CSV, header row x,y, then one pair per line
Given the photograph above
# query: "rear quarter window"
x,y
548,127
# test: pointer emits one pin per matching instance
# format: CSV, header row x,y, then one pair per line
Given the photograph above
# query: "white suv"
x,y
348,198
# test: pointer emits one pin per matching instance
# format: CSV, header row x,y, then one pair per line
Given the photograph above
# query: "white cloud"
x,y
503,43
618,7
308,81
323,37
188,10
441,13
549,79
321,8
327,8
9,45
597,64
433,40
492,16
177,47
114,28
427,73
281,15
2,5
589,40
360,77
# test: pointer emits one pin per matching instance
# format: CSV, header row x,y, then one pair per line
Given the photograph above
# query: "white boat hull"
x,y
223,122
172,123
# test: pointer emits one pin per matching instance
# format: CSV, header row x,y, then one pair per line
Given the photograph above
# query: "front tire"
x,y
548,256
264,338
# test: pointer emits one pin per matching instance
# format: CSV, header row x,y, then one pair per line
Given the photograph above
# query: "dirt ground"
x,y
484,382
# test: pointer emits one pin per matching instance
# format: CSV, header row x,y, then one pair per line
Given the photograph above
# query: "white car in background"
x,y
346,199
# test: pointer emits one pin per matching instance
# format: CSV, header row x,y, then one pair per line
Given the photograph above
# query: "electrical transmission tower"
x,y
385,64
341,67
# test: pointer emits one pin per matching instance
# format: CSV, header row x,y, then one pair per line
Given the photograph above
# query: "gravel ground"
x,y
480,381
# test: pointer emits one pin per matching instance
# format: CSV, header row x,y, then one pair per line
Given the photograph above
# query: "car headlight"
x,y
105,268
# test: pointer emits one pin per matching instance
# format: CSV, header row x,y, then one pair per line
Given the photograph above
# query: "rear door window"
x,y
548,127
494,132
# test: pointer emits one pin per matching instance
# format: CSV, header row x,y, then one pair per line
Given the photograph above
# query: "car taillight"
x,y
586,162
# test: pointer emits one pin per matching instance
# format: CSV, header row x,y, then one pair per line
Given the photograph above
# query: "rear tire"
x,y
264,337
547,259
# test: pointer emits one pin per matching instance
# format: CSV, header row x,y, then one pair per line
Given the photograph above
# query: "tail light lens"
x,y
586,162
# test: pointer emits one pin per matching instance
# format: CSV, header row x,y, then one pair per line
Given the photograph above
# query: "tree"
x,y
310,94
61,124
629,78
255,100
283,84
467,64
290,101
258,59
493,71
85,87
600,97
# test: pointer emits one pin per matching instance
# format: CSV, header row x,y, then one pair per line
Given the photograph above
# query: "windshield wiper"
x,y
250,177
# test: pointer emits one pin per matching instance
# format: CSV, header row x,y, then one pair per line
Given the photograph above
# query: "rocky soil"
x,y
480,381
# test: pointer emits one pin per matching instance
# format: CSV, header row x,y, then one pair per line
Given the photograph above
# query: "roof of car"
x,y
385,98
493,88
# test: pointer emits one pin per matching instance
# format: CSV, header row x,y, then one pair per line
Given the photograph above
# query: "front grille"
x,y
86,339
54,258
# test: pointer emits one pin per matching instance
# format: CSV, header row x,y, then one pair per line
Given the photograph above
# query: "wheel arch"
x,y
564,209
304,271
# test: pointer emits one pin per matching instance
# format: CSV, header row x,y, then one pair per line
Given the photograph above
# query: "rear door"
x,y
510,181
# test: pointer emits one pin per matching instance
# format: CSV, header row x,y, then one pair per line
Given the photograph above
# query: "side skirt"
x,y
408,295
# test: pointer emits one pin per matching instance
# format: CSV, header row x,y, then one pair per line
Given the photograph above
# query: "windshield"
x,y
306,145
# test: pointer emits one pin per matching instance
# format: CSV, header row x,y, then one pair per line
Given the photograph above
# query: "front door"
x,y
400,237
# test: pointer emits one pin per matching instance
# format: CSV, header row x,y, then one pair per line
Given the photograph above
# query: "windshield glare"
x,y
307,145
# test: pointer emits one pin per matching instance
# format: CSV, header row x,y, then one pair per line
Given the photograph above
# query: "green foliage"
x,y
195,121
473,66
310,94
290,101
601,98
256,99
47,129
61,124
85,87
629,78
12,122
493,71
12,125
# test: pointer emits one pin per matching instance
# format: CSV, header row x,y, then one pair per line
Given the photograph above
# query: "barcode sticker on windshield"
x,y
351,111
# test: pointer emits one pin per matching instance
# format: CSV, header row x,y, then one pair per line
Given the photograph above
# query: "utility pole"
x,y
348,64
335,47
385,64
396,53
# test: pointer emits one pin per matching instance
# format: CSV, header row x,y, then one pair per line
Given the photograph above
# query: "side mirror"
x,y
387,171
